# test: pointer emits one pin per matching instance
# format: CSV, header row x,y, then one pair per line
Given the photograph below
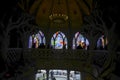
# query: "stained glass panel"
x,y
36,40
102,42
58,40
79,41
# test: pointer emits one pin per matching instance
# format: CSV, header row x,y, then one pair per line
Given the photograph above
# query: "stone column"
x,y
68,74
82,75
47,72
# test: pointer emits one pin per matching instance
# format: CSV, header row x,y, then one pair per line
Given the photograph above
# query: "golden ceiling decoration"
x,y
58,18
57,10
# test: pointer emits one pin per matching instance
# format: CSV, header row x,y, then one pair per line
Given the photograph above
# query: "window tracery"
x,y
37,40
80,42
59,41
102,42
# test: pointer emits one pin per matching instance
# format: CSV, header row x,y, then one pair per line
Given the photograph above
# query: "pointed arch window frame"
x,y
41,36
75,39
64,38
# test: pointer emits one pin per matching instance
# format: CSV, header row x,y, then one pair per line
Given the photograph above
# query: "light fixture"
x,y
58,18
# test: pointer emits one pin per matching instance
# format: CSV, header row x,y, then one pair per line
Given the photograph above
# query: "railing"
x,y
52,58
77,60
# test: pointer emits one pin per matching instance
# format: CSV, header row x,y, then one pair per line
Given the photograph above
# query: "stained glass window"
x,y
102,42
59,41
80,42
37,40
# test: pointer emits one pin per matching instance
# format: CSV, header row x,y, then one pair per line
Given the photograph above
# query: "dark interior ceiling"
x,y
110,8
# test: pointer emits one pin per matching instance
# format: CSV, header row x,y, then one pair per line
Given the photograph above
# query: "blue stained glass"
x,y
102,42
58,42
36,39
30,42
78,39
41,33
87,42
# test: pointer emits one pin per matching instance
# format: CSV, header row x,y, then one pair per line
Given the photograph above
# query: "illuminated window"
x,y
37,40
75,75
41,75
59,41
57,74
80,42
102,42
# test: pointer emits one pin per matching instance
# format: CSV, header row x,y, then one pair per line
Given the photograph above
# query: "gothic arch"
x,y
59,40
102,42
37,40
80,41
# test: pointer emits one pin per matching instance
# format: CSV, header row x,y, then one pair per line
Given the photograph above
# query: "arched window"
x,y
40,75
75,75
57,74
59,41
37,40
102,42
80,42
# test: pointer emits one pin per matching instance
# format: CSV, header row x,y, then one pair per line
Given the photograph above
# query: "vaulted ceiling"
x,y
57,12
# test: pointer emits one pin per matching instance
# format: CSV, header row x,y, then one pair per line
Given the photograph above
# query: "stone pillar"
x,y
47,73
68,74
82,75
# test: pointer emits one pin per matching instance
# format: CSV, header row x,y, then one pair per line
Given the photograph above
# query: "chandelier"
x,y
58,18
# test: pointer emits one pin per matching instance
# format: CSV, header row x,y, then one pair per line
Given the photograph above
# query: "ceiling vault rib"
x,y
81,6
69,19
87,4
51,8
36,10
68,13
59,2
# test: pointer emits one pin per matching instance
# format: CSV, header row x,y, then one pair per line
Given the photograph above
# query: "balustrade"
x,y
78,60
